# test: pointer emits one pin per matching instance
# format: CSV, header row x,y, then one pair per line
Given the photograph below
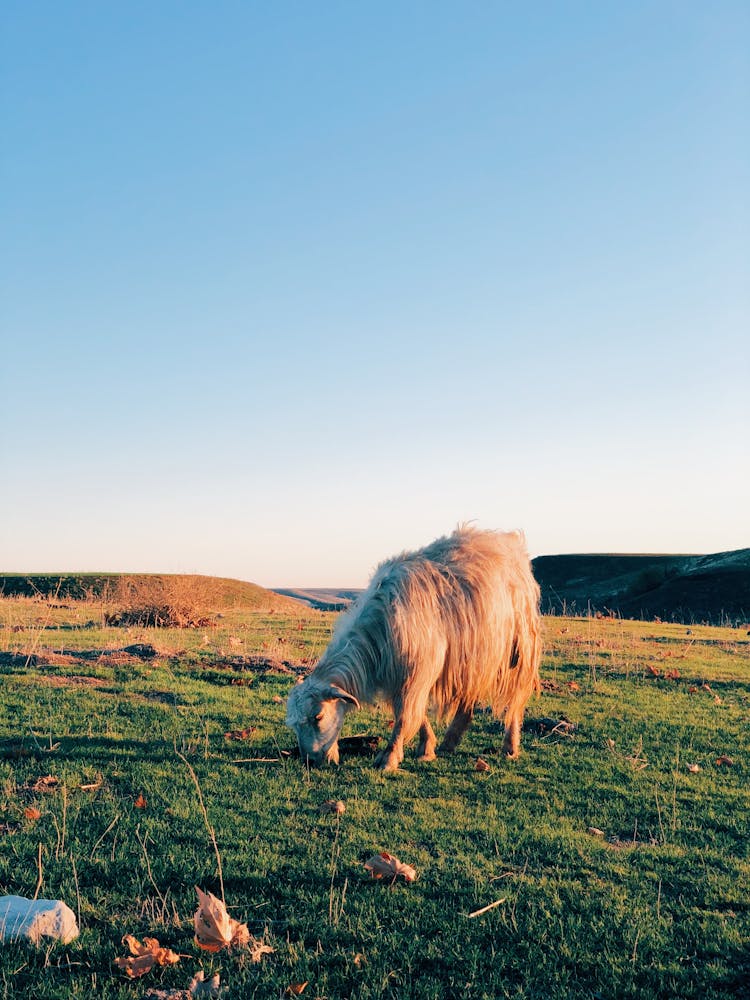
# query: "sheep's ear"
x,y
334,692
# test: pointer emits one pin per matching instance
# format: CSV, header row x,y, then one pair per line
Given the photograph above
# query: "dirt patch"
x,y
22,660
75,680
258,663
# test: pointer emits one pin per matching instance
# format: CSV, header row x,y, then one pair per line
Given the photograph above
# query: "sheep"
x,y
449,627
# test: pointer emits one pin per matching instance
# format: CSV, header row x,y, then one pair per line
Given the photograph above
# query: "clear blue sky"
x,y
287,288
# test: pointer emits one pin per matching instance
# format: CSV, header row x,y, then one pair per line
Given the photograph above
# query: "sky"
x,y
288,288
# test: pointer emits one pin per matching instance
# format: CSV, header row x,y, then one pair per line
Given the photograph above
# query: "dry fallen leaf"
x,y
296,989
481,765
199,987
30,812
143,957
333,806
573,686
724,761
383,865
154,994
240,734
258,949
46,784
694,768
141,802
202,987
215,929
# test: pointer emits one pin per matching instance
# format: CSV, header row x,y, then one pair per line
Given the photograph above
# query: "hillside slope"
x,y
687,588
322,598
215,592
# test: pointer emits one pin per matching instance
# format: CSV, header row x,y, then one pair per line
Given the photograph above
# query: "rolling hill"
x,y
689,588
211,591
685,588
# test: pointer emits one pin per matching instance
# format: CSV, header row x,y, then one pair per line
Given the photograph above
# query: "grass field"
x,y
656,904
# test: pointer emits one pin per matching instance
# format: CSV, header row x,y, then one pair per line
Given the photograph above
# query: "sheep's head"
x,y
315,710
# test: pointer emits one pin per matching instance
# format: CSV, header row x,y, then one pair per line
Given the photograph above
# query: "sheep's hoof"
x,y
387,761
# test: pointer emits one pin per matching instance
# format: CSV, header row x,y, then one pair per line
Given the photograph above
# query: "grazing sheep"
x,y
451,626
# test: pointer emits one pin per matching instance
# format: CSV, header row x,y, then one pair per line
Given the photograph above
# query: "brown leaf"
x,y
724,761
141,802
240,734
654,671
32,813
215,929
154,994
46,784
296,989
549,685
481,765
361,745
143,957
385,865
335,806
258,949
573,686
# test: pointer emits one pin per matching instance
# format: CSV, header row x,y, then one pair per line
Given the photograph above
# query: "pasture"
x,y
619,845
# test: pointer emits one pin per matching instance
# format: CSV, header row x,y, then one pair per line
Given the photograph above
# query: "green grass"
x,y
657,907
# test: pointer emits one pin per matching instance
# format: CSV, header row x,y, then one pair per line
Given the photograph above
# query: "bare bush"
x,y
161,602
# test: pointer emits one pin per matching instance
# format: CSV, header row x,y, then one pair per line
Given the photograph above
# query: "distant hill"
x,y
685,588
215,592
322,598
689,588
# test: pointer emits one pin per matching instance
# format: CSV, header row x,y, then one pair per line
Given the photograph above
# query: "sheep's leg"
x,y
512,739
456,730
410,717
427,742
390,758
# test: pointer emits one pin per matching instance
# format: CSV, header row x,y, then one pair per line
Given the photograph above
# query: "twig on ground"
x,y
211,831
484,909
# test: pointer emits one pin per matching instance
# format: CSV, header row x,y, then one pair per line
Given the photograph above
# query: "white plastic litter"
x,y
32,919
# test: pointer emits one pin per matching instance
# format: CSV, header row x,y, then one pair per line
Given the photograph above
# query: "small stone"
x,y
34,919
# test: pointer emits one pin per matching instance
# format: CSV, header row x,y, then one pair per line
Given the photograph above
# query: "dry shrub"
x,y
161,602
